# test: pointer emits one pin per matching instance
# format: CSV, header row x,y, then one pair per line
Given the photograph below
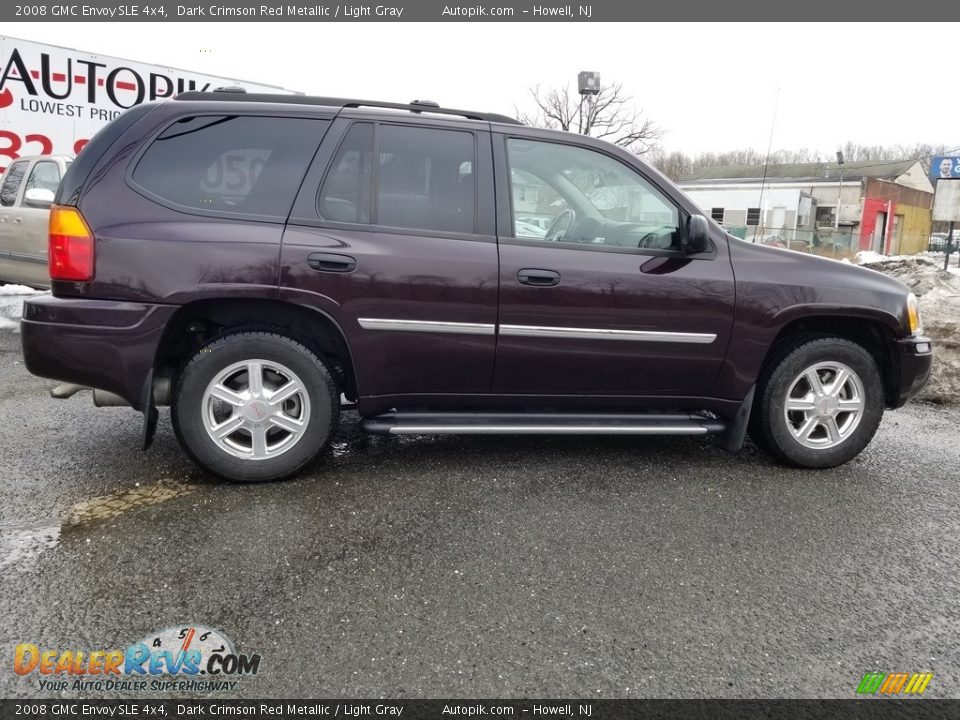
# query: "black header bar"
x,y
873,709
738,13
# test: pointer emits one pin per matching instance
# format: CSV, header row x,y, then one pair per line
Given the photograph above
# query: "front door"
x,y
596,295
31,245
393,237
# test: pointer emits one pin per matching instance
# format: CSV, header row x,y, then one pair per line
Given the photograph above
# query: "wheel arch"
x,y
197,323
875,336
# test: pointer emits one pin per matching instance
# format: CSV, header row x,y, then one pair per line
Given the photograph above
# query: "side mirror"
x,y
697,238
38,197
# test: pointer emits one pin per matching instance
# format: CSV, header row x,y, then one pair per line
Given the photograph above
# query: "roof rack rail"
x,y
417,106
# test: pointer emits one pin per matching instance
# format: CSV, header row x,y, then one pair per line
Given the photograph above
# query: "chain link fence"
x,y
841,243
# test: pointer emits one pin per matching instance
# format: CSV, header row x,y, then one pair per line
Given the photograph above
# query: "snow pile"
x,y
18,290
11,304
939,295
920,273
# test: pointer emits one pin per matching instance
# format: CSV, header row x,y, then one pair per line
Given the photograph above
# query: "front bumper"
x,y
915,356
97,343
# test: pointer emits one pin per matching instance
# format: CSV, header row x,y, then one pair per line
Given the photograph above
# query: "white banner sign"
x,y
946,201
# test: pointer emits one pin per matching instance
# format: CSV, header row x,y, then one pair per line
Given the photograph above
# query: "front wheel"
x,y
819,403
255,406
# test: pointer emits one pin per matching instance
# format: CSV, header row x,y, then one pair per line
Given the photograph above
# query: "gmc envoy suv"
x,y
249,259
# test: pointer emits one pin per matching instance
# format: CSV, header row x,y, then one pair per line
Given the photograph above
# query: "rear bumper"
x,y
915,355
98,343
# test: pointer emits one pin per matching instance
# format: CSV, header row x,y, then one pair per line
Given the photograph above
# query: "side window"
x,y
45,175
346,191
426,179
11,183
230,163
535,204
564,193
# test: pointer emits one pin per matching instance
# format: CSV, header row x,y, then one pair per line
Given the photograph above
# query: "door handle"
x,y
538,278
331,262
18,219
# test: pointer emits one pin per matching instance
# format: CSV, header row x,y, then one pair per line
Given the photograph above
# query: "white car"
x,y
27,189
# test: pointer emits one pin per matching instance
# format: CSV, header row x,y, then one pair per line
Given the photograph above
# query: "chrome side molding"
x,y
464,328
606,334
432,326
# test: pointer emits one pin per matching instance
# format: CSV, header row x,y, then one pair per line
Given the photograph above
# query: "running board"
x,y
431,423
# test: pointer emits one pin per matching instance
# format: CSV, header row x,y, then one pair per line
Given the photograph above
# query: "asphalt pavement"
x,y
486,566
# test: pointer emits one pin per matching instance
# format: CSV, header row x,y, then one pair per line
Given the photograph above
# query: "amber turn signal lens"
x,y
71,245
913,314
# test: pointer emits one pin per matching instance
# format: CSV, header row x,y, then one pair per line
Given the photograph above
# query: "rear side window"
x,y
426,179
11,183
234,164
345,195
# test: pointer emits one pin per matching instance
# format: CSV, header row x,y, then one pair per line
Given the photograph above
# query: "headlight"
x,y
913,315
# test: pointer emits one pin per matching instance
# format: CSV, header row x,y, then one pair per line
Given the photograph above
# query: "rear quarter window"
x,y
230,164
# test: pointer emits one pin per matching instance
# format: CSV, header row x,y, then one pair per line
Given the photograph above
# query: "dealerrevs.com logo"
x,y
189,657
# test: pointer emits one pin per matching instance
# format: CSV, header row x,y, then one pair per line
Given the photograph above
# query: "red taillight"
x,y
71,245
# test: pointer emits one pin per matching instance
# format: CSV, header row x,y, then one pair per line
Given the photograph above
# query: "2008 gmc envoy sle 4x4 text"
x,y
247,259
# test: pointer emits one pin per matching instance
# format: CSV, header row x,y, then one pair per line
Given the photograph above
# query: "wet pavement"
x,y
486,566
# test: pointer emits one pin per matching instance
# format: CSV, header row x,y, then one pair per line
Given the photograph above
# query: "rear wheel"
x,y
255,406
819,403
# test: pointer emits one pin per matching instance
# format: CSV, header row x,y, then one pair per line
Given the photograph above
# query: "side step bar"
x,y
431,423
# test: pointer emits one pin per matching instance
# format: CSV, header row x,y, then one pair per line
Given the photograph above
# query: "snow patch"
x,y
938,293
11,305
867,256
18,290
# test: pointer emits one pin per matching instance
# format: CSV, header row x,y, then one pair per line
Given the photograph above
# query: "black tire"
x,y
188,406
770,429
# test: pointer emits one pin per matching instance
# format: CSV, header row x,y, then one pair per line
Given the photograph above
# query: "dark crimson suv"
x,y
248,259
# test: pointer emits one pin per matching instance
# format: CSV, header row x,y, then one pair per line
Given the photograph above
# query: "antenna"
x,y
766,162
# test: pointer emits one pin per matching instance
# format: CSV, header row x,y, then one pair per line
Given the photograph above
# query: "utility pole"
x,y
948,247
836,216
588,84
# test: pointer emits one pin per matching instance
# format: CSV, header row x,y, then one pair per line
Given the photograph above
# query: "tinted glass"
x,y
76,175
11,183
45,175
236,164
345,195
426,179
564,193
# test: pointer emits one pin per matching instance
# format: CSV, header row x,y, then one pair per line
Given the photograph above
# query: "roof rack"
x,y
417,106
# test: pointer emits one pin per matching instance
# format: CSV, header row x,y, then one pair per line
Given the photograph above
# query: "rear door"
x,y
596,295
393,237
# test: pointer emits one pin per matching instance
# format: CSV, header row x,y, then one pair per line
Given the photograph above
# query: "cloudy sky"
x,y
709,86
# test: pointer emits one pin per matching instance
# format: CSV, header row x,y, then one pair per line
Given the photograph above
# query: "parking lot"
x,y
487,566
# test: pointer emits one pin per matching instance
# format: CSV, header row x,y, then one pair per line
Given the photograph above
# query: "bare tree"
x,y
610,115
678,165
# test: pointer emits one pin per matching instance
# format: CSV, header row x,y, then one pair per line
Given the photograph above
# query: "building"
x,y
883,206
